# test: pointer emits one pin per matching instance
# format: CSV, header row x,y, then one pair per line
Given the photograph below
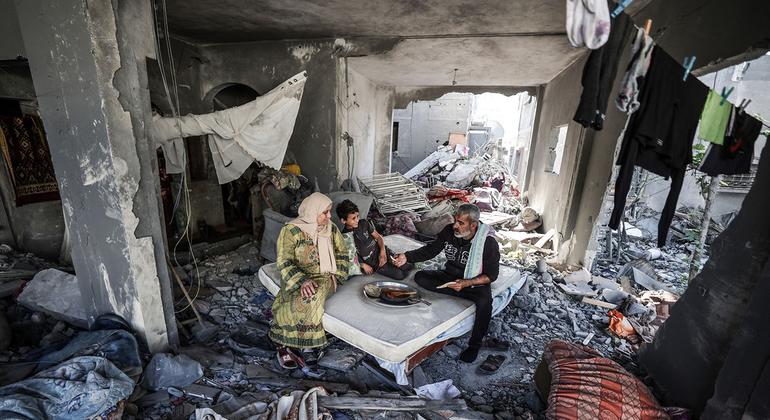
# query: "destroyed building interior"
x,y
396,209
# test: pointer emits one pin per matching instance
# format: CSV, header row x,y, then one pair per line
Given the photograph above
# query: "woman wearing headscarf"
x,y
312,259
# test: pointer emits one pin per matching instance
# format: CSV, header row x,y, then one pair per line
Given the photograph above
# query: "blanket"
x,y
26,154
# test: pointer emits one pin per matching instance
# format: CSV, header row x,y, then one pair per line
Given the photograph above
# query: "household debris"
x,y
56,294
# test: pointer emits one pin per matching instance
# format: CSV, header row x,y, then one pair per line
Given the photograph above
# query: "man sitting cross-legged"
x,y
473,262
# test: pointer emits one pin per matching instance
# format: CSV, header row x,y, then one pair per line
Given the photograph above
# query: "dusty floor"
x,y
231,296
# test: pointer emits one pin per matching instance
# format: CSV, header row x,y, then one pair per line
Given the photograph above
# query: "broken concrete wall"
x,y
357,116
89,60
425,125
263,66
549,193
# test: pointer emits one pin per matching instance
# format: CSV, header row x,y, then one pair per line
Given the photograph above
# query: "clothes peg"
x,y
744,104
619,9
688,63
725,94
647,27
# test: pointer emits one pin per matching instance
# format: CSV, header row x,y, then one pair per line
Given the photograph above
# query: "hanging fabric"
x,y
737,153
256,131
660,134
599,75
627,100
588,23
713,120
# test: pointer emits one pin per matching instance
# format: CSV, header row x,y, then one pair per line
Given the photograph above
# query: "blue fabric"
x,y
79,388
118,346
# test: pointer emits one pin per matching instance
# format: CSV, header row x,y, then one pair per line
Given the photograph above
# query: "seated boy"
x,y
370,247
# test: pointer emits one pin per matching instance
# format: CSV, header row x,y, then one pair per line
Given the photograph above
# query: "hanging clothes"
x,y
713,120
588,23
256,131
627,100
599,75
660,134
736,154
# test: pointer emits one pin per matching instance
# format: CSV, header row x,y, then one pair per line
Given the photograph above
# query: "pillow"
x,y
350,243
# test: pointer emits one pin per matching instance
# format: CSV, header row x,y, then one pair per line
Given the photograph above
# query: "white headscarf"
x,y
309,210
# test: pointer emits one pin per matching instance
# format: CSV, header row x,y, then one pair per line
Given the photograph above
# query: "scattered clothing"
x,y
599,75
444,390
256,131
737,153
588,23
118,346
628,98
660,134
713,120
28,159
297,320
82,387
402,224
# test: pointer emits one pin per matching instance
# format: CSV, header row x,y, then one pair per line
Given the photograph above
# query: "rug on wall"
x,y
28,159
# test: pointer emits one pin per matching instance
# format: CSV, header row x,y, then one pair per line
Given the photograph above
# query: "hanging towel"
x,y
628,98
713,120
256,131
599,75
476,255
588,23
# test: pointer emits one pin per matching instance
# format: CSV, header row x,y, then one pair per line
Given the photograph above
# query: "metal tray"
x,y
394,285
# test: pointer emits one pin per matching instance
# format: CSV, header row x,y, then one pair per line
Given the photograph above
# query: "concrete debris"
x,y
56,294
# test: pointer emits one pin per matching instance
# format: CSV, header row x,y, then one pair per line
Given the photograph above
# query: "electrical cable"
x,y
174,106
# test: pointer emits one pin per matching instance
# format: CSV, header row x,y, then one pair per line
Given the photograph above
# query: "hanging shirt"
x,y
736,154
627,100
599,75
660,134
713,120
588,23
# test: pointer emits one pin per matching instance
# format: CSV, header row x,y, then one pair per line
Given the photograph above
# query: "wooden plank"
x,y
599,303
548,235
417,357
389,404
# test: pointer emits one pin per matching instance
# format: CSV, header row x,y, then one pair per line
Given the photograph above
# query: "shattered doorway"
x,y
489,122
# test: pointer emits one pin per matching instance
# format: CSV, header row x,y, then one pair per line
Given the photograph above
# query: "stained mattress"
x,y
392,334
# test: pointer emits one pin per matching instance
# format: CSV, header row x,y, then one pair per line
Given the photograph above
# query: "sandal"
x,y
491,364
286,358
496,344
310,356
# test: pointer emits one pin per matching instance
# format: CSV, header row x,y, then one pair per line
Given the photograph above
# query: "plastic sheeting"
x,y
256,131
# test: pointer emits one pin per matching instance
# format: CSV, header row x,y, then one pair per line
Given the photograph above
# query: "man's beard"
x,y
462,235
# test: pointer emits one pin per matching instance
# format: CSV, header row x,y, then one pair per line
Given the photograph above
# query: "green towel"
x,y
713,120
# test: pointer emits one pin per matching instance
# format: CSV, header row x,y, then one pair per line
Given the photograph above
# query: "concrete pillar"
x,y
87,60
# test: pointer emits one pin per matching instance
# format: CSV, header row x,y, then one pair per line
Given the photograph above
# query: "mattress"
x,y
392,333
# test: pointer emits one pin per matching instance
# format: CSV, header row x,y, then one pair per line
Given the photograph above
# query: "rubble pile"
x,y
638,240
